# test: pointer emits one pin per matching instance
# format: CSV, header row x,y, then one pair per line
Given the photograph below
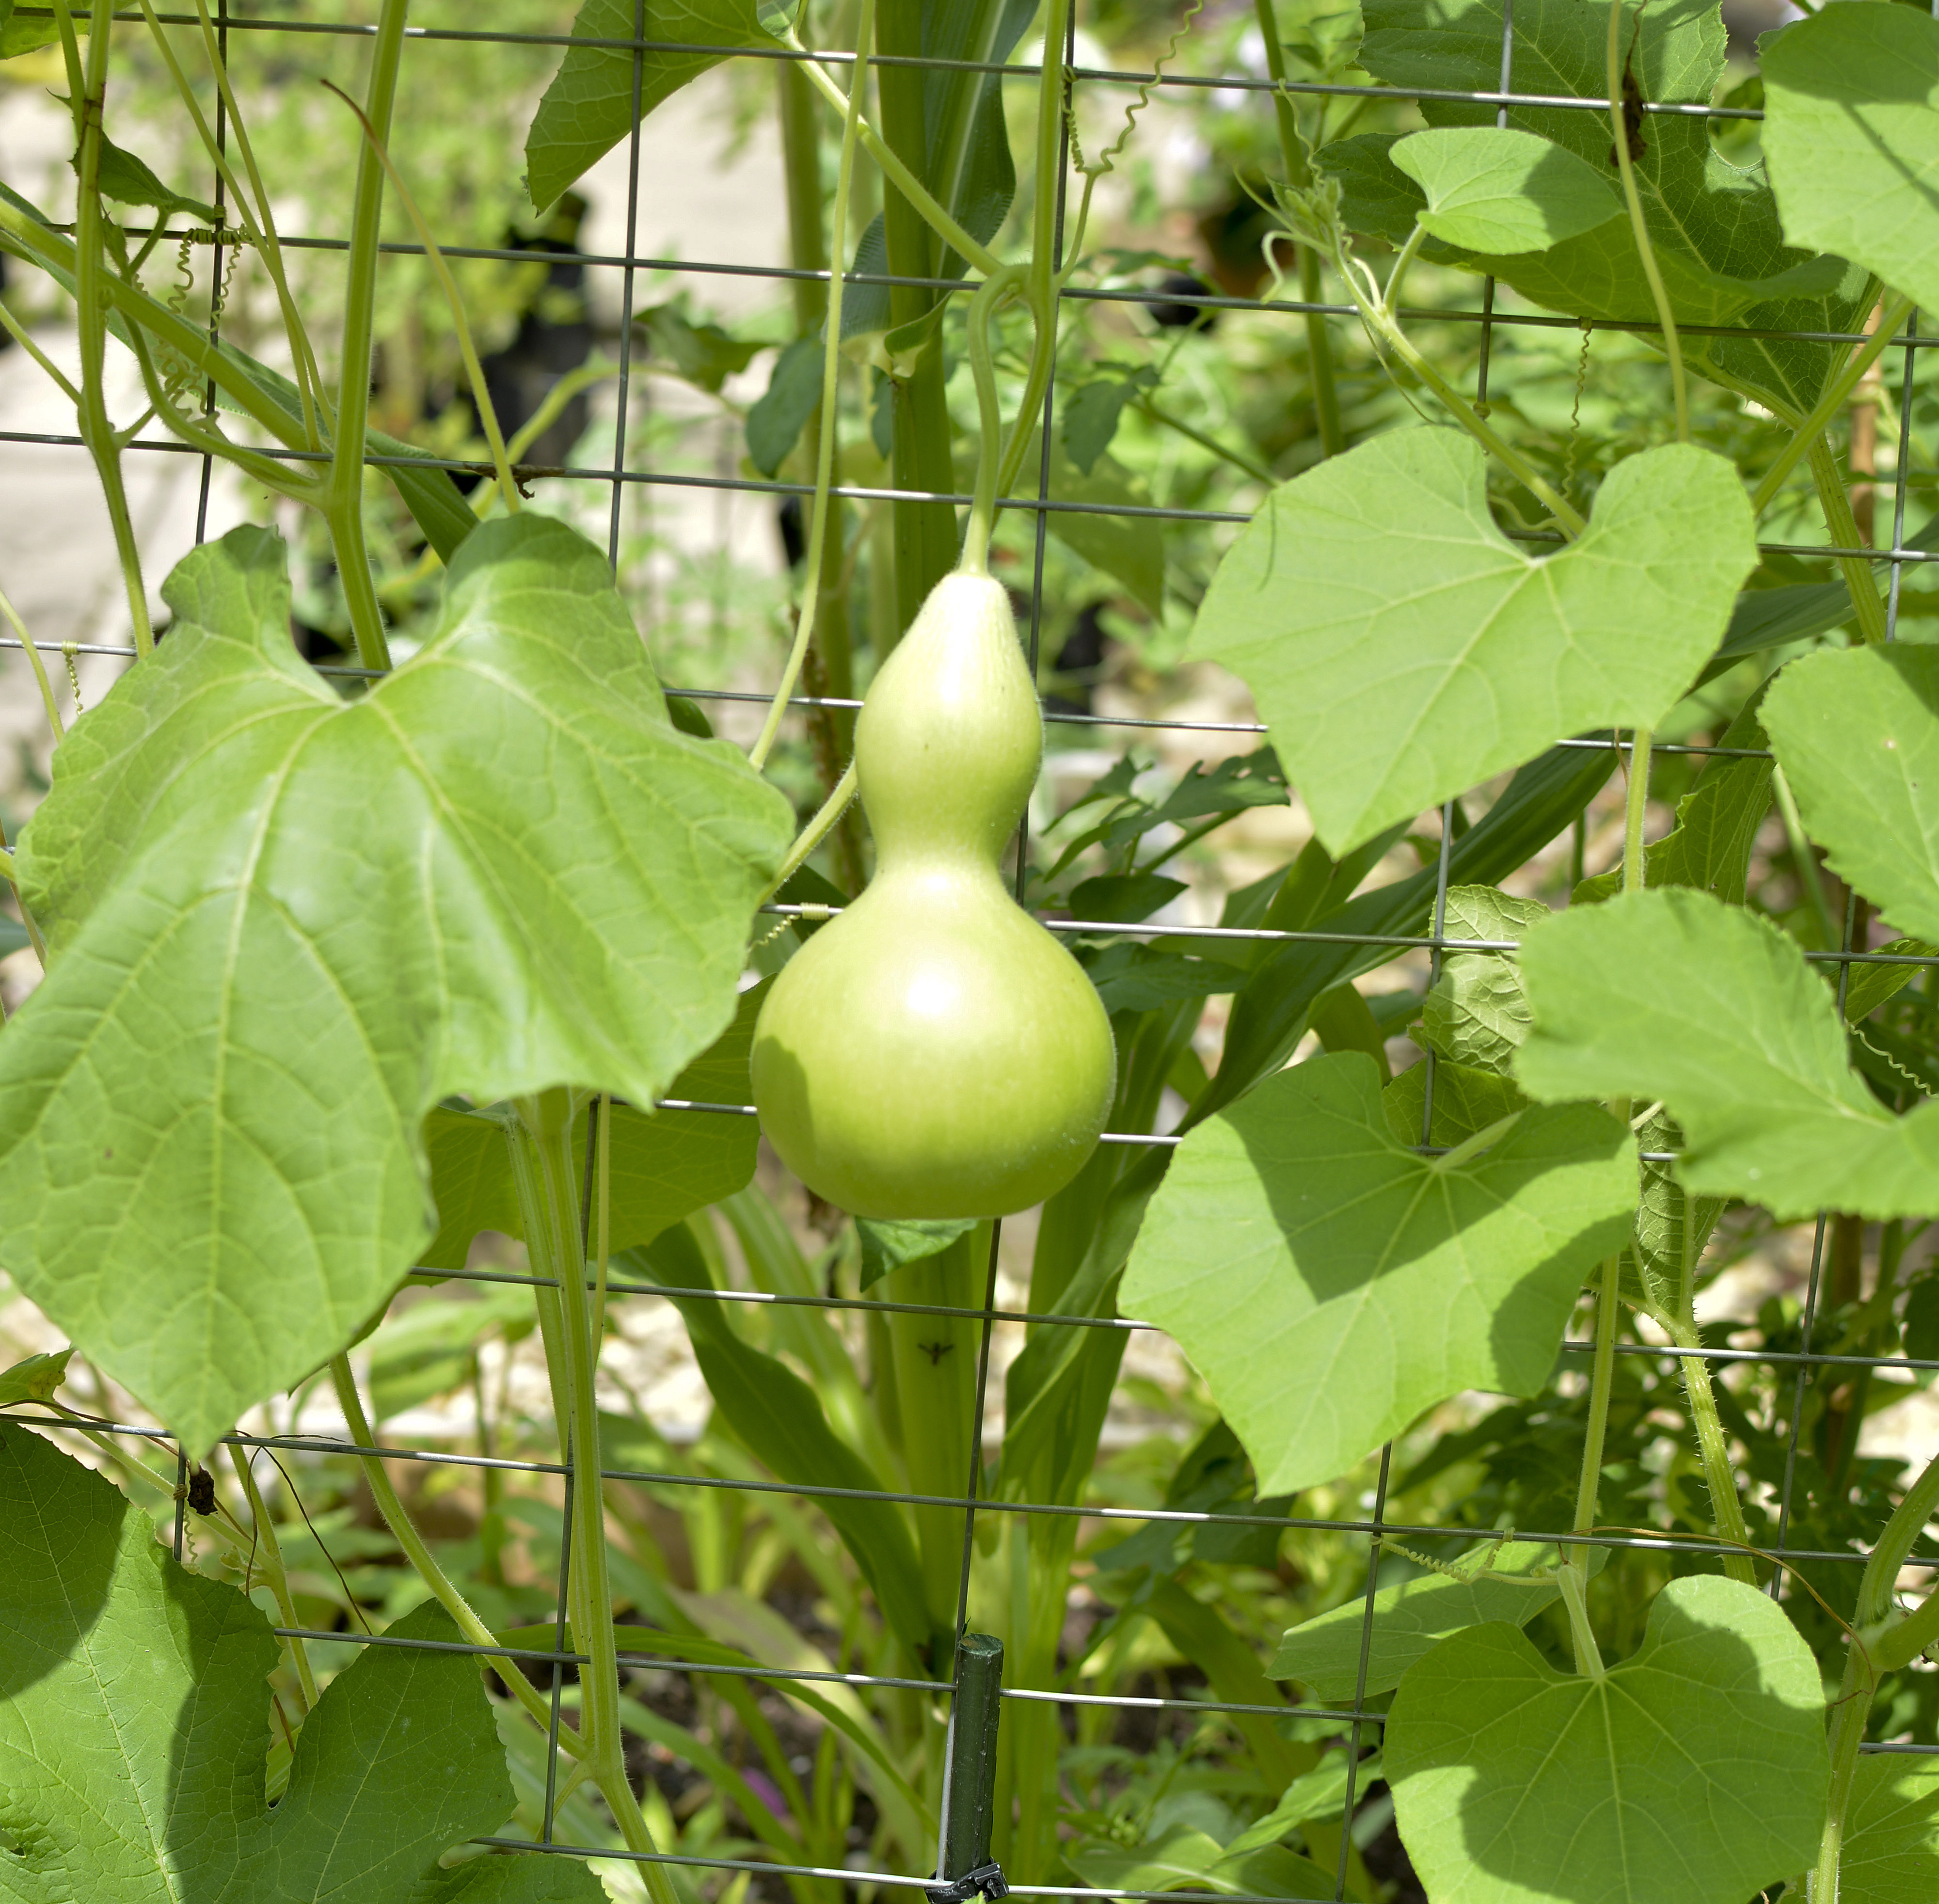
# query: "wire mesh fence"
x,y
629,471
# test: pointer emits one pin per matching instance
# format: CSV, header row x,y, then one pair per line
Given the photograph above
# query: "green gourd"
x,y
934,1052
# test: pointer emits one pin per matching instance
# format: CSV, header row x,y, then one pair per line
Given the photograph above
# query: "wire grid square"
x,y
622,473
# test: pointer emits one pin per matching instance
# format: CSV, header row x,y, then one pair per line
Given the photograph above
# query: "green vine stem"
x,y
975,557
1878,1645
474,371
39,667
344,508
403,1530
1857,569
88,80
899,174
251,207
1831,401
1385,326
831,386
1293,156
551,1221
1640,225
817,830
268,1557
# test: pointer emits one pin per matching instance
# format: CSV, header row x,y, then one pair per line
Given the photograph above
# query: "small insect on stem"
x,y
1631,102
935,1351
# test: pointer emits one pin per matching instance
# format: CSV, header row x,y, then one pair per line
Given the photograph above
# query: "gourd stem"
x,y
817,830
474,372
404,1532
1619,134
975,557
1833,400
1575,1574
831,368
269,1559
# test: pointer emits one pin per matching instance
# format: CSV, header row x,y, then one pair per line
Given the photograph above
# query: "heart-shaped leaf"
x,y
1492,189
1851,135
1674,996
1357,1282
285,925
1692,1773
1400,648
135,1714
1858,733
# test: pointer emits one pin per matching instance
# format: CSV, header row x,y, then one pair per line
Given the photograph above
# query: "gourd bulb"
x,y
934,1052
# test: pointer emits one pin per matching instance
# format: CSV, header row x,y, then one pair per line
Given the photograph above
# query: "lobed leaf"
x,y
1851,135
285,926
1358,1283
1858,733
1695,1773
1400,648
1674,996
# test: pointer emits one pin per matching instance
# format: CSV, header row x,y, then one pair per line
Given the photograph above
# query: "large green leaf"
x,y
1511,1583
1858,732
1400,648
136,1712
1494,189
1714,227
1891,1833
1357,1282
1851,134
589,107
665,1163
285,925
1692,1773
1673,996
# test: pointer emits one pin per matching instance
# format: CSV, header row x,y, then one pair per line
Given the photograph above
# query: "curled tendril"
x,y
1112,153
1912,1078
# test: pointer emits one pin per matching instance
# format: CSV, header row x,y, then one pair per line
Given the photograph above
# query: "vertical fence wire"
x,y
618,475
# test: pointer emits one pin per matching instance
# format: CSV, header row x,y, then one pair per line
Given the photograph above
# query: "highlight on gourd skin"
x,y
934,1052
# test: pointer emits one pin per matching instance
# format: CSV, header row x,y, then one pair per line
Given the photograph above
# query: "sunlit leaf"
x,y
1693,1772
1851,135
1891,1833
1492,189
286,924
1184,1858
35,1379
136,1711
1356,1283
1512,1582
1400,648
1475,1013
1673,996
1858,733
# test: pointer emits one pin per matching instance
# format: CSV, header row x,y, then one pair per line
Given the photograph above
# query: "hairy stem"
x,y
1842,384
1640,225
975,557
91,301
269,1559
552,1232
831,369
404,1532
817,830
1856,570
344,509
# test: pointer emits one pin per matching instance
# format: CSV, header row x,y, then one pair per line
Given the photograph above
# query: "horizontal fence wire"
x,y
1899,558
